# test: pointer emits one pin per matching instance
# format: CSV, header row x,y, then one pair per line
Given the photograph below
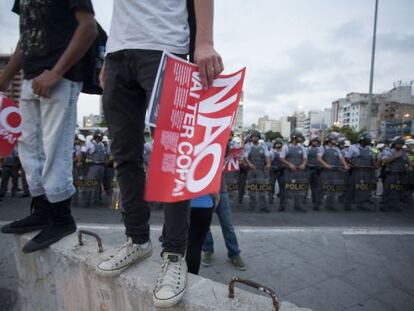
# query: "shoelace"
x,y
123,252
169,274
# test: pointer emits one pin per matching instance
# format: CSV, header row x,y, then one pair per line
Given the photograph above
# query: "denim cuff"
x,y
61,196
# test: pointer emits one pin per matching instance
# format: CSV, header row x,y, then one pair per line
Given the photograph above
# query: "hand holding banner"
x,y
193,127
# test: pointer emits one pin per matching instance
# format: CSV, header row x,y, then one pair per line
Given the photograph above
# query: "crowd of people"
x,y
13,177
59,63
329,171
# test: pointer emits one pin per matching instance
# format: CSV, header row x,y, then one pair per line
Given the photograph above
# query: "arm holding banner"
x,y
208,60
12,68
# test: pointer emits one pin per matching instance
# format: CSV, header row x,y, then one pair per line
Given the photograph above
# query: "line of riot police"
x,y
93,168
331,171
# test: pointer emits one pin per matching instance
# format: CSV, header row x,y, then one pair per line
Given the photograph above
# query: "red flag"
x,y
232,162
193,127
10,122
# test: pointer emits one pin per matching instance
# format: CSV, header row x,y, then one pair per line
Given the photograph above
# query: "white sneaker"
x,y
129,254
171,282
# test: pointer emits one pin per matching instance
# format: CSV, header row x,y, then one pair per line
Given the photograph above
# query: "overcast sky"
x,y
298,53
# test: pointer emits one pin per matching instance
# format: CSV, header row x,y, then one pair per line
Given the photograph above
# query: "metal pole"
x,y
371,79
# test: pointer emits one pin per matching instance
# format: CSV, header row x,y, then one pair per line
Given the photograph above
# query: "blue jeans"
x,y
224,214
46,144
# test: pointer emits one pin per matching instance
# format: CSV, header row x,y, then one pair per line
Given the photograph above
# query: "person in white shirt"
x,y
140,31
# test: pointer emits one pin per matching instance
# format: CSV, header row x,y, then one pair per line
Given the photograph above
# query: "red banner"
x,y
193,127
232,161
10,122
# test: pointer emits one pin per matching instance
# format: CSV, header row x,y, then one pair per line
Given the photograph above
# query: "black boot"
x,y
39,218
62,225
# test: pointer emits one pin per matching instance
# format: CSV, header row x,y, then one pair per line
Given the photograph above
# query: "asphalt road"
x,y
321,260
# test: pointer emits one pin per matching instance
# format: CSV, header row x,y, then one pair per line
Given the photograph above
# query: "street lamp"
x,y
371,77
407,115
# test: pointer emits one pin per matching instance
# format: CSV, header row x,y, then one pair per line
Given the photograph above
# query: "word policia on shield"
x,y
192,129
259,187
10,125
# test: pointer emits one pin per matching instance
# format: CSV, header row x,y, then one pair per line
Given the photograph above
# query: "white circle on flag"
x,y
4,114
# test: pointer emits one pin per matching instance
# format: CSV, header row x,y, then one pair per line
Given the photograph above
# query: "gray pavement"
x,y
320,260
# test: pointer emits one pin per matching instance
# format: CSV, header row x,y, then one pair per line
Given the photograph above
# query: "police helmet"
x,y
316,138
366,137
331,137
255,133
341,142
297,135
97,135
347,143
409,141
278,141
398,141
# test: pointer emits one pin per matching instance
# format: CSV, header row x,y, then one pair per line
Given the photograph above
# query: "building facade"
x,y
317,121
265,124
238,123
394,106
285,127
92,121
15,88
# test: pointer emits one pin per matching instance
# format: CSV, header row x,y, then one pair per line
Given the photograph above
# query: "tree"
x,y
270,135
347,131
103,123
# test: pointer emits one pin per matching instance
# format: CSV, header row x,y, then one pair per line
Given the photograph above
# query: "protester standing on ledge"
x,y
54,36
140,31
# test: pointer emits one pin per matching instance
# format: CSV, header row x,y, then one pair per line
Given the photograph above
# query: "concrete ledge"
x,y
63,278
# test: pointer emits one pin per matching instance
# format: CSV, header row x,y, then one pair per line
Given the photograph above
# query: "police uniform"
x,y
385,152
276,174
314,169
333,180
244,171
231,179
257,178
397,181
109,173
10,169
96,155
296,182
362,181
